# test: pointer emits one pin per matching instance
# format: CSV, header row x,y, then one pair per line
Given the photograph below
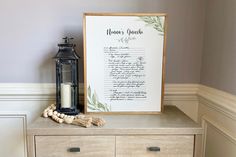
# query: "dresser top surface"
x,y
170,121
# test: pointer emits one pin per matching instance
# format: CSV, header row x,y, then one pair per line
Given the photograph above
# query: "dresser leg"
x,y
30,146
198,146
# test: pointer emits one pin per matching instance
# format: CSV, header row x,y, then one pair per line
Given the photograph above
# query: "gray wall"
x,y
219,53
30,31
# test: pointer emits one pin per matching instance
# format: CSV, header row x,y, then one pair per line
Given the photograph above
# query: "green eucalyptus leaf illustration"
x,y
89,91
91,107
94,99
94,104
100,105
88,100
154,22
108,108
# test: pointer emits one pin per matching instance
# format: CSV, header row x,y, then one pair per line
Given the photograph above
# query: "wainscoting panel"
x,y
218,144
216,110
13,135
218,116
218,141
20,104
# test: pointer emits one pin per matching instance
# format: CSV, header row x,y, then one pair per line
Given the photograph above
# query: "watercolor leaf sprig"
x,y
155,22
94,104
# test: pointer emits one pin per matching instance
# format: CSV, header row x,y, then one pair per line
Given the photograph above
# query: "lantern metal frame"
x,y
67,85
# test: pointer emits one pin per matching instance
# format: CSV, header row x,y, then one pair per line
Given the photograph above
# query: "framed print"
x,y
124,62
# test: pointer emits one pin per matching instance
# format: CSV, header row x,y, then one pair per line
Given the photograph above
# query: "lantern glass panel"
x,y
66,73
67,91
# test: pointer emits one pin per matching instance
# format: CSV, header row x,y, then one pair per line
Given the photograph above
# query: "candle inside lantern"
x,y
65,95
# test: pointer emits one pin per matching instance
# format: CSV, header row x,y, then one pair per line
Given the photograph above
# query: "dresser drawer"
x,y
75,146
154,146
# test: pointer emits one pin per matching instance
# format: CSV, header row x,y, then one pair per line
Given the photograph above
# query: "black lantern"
x,y
67,78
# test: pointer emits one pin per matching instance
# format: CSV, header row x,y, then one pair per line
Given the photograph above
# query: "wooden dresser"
x,y
169,134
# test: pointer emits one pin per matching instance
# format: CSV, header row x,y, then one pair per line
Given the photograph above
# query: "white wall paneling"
x,y
218,116
20,104
213,108
13,135
217,141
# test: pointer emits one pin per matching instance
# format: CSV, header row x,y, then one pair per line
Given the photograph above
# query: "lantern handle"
x,y
67,40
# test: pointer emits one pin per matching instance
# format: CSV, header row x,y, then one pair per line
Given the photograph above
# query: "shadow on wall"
x,y
47,67
77,34
78,41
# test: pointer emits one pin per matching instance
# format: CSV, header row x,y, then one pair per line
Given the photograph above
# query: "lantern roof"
x,y
66,50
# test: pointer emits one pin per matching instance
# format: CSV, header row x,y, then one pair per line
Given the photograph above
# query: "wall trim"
x,y
46,91
28,91
219,100
181,92
181,89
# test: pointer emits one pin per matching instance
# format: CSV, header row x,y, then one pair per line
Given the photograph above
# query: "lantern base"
x,y
68,111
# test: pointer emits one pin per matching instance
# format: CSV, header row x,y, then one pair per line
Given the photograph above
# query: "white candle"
x,y
65,95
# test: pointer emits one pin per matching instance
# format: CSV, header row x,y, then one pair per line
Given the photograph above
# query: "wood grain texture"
x,y
171,121
172,131
31,146
198,146
90,146
124,14
170,146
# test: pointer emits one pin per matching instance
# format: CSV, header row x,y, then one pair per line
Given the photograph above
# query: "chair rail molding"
x,y
45,91
182,92
182,95
218,100
26,91
29,91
